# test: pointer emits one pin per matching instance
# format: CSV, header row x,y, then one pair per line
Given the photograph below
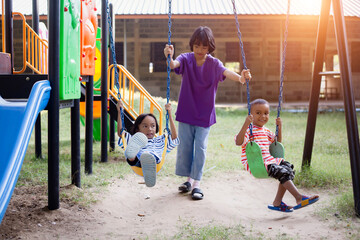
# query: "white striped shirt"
x,y
155,146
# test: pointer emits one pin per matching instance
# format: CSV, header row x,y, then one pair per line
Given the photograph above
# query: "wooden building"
x,y
141,32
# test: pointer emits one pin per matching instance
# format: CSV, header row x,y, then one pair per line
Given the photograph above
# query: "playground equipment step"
x,y
5,63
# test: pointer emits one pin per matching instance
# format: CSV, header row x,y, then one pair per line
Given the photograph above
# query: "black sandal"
x,y
197,194
185,187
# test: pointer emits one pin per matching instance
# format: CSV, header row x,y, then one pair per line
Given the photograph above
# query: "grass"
x,y
330,165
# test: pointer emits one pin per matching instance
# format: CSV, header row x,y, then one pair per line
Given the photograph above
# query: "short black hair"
x,y
203,35
259,101
139,120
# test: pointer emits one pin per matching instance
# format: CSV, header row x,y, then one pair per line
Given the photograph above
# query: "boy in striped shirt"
x,y
277,168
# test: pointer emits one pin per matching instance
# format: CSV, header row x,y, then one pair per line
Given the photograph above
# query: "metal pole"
x,y
53,119
35,16
349,103
316,81
112,120
75,143
125,45
9,31
89,124
35,25
104,85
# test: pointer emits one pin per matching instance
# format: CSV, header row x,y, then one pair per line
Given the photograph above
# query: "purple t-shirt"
x,y
196,104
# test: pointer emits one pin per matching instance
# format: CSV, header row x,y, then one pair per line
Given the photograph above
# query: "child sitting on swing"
x,y
144,149
277,168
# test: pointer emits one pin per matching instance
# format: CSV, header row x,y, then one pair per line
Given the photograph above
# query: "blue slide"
x,y
17,120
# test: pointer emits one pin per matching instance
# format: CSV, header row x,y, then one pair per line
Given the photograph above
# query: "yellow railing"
x,y
35,50
128,94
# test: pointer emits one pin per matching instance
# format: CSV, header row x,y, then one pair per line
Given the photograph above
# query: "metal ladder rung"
x,y
329,73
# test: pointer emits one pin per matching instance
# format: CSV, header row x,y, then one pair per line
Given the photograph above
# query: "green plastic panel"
x,y
277,150
255,160
97,128
69,49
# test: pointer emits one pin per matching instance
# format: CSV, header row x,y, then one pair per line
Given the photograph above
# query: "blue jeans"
x,y
191,152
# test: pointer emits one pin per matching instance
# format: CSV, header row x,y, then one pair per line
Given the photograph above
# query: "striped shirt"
x,y
155,146
264,137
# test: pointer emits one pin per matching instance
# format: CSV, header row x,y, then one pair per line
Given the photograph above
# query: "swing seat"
x,y
277,150
255,159
138,170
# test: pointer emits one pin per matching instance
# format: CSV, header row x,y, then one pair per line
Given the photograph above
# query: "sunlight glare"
x,y
305,7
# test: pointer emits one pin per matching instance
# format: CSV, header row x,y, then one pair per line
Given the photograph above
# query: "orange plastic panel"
x,y
96,109
88,37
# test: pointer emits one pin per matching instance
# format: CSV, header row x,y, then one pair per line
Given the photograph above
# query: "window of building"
x,y
329,90
232,58
119,50
355,56
157,58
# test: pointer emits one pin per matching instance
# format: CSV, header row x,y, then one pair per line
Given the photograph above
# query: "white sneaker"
x,y
137,142
148,165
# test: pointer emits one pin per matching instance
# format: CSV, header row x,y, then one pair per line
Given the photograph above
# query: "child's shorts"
x,y
282,172
136,162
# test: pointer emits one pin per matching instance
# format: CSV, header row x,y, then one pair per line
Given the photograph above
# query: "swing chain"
x,y
244,62
239,35
168,70
113,54
283,66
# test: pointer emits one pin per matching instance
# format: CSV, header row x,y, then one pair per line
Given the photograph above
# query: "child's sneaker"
x,y
136,142
148,165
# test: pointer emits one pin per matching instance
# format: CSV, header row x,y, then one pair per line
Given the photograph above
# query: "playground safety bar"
x,y
128,97
35,50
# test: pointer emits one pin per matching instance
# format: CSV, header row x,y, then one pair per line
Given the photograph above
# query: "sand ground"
x,y
129,210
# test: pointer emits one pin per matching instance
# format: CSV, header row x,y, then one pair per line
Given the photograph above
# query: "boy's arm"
x,y
279,124
169,49
172,123
245,74
241,135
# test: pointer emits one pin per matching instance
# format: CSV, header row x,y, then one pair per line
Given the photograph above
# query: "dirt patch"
x,y
129,210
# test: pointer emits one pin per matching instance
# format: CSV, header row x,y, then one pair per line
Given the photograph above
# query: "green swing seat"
x,y
255,159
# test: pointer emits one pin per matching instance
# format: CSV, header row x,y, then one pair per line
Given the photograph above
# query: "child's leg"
x,y
201,141
290,186
134,162
278,204
185,150
190,180
285,174
279,195
148,165
137,142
